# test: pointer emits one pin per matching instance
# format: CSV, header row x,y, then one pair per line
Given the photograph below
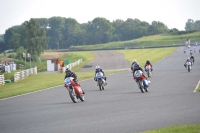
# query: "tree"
x,y
36,40
189,25
56,25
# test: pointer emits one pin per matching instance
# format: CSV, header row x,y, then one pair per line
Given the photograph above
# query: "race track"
x,y
120,108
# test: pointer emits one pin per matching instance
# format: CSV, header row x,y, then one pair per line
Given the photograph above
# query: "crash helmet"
x,y
147,61
97,67
134,61
136,64
67,70
188,59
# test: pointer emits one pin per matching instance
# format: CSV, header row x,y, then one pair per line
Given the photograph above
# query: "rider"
x,y
98,69
192,59
148,63
132,65
69,73
191,52
188,60
137,67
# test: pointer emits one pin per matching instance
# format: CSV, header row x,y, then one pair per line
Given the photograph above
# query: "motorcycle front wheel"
x,y
188,68
140,86
82,97
100,84
73,96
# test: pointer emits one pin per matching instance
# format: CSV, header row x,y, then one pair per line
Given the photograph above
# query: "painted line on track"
x,y
42,90
197,86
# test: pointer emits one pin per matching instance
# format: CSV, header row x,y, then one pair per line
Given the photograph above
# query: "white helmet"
x,y
97,67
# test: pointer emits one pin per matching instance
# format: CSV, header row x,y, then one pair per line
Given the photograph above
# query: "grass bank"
x,y
146,41
141,55
39,82
177,129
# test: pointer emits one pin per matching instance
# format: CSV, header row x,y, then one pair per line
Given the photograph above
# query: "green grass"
x,y
177,129
198,89
39,82
141,55
155,40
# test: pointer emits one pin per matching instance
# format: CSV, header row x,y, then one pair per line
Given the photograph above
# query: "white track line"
x,y
197,86
41,90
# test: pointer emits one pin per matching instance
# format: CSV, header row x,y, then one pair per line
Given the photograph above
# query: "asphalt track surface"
x,y
120,108
107,60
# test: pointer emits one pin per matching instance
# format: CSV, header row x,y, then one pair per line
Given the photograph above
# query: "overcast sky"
x,y
173,13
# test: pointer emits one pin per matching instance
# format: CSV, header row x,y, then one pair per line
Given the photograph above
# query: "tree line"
x,y
39,34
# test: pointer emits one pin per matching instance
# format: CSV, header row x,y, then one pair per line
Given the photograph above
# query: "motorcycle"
x,y
101,80
74,89
142,82
191,53
188,66
148,70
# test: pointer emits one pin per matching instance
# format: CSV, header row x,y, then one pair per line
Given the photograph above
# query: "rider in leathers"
x,y
69,73
137,67
148,63
98,69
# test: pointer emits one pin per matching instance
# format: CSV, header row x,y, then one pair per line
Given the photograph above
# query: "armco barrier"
x,y
24,74
2,79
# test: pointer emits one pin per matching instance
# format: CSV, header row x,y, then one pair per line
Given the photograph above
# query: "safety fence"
x,y
2,79
24,74
72,65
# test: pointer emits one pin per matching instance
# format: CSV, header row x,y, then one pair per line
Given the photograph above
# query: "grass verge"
x,y
39,82
141,55
177,129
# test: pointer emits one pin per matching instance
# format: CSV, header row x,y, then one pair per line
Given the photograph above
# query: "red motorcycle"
x,y
141,81
74,89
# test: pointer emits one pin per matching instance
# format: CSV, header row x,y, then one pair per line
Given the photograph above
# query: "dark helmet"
x,y
136,65
147,61
67,70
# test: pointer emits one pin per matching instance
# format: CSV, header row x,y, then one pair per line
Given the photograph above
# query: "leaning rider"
x,y
137,67
69,73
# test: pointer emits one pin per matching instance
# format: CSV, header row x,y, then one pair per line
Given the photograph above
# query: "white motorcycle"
x,y
148,70
188,66
101,80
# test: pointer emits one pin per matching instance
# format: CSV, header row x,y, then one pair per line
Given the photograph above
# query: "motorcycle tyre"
x,y
100,85
148,73
140,86
146,89
73,98
82,97
188,69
